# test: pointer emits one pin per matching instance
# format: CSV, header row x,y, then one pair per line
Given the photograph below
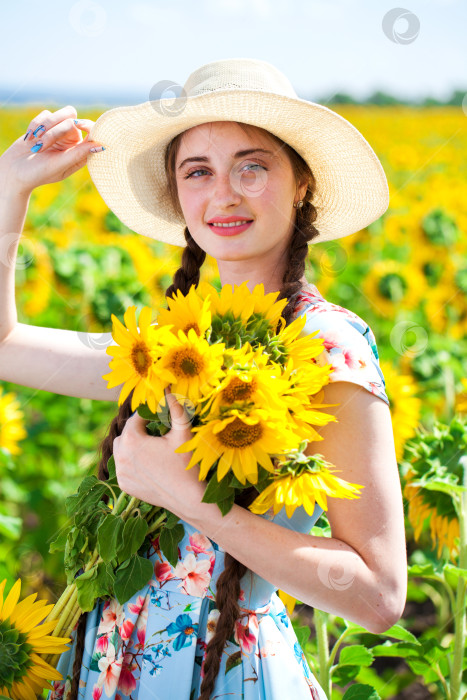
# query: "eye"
x,y
254,165
195,171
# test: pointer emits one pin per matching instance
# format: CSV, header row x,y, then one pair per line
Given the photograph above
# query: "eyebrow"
x,y
238,154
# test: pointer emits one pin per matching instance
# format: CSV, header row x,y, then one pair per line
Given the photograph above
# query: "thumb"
x,y
136,423
77,157
179,416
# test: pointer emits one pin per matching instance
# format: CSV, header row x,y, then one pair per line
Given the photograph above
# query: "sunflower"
x,y
405,405
238,301
186,312
304,488
444,528
311,414
244,381
288,600
135,357
23,672
304,396
267,306
194,364
239,441
11,422
390,283
303,349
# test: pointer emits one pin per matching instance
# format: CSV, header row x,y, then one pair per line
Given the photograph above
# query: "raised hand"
x,y
63,151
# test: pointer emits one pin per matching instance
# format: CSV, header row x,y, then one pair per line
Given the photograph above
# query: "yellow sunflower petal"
x,y
11,600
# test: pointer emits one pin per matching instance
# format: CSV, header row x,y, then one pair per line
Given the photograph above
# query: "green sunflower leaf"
x,y
169,540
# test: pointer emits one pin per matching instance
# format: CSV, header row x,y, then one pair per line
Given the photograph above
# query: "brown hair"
x,y
228,583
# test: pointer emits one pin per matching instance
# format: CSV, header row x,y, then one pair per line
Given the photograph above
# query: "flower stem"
x,y
158,521
320,620
133,502
459,613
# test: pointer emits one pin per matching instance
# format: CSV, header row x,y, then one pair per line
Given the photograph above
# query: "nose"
x,y
226,192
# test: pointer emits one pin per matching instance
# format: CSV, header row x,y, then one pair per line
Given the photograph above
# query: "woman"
x,y
238,145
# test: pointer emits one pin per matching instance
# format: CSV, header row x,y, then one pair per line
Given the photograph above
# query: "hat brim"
x,y
351,185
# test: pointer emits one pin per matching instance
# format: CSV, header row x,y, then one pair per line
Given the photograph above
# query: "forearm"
x,y
13,210
323,572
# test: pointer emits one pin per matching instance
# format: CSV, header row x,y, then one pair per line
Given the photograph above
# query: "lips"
x,y
232,229
228,219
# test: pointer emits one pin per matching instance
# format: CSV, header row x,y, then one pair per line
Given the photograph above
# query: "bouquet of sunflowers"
x,y
253,395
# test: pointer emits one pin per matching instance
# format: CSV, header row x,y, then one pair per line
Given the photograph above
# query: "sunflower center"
x,y
194,326
15,658
141,358
187,362
238,434
189,630
392,286
238,390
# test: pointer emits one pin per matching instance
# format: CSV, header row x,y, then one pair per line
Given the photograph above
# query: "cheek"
x,y
191,203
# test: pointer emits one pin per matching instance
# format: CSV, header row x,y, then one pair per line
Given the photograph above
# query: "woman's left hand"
x,y
148,468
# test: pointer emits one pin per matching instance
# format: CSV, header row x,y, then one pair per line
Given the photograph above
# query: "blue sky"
x,y
322,46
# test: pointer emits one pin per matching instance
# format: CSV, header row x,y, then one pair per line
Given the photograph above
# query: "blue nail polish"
x,y
38,129
27,134
36,147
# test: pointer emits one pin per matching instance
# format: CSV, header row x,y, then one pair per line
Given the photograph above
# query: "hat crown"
x,y
238,74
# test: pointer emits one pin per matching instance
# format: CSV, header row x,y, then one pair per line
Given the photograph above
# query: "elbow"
x,y
388,611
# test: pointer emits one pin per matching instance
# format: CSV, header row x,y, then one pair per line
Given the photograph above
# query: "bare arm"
x,y
360,573
60,361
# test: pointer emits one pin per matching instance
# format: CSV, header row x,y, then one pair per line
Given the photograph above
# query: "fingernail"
x,y
96,149
29,131
37,147
38,129
77,121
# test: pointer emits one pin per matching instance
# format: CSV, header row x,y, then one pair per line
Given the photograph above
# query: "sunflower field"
x,y
405,275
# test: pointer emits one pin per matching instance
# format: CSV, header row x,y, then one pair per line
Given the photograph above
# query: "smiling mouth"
x,y
232,224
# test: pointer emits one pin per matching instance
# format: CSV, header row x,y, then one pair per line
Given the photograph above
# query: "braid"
x,y
188,273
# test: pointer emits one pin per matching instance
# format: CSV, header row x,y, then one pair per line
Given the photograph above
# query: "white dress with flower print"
x,y
152,647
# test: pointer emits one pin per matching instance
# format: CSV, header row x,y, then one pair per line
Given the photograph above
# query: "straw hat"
x,y
352,189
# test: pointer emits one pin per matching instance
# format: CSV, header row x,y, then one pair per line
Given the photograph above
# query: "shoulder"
x,y
349,342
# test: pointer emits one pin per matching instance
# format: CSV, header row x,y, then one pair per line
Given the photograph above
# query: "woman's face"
x,y
221,173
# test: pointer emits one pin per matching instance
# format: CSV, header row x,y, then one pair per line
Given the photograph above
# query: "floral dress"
x,y
153,645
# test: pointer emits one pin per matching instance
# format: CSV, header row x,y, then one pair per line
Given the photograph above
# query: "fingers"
x,y
50,136
180,417
46,119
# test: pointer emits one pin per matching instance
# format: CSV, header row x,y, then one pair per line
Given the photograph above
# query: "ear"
x,y
302,189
